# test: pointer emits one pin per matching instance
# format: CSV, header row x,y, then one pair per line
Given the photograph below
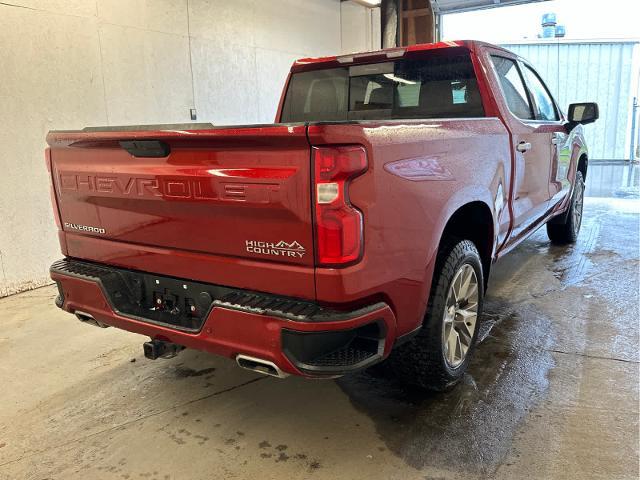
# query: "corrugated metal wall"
x,y
603,72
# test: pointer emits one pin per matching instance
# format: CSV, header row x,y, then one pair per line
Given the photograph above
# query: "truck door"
x,y
531,144
551,121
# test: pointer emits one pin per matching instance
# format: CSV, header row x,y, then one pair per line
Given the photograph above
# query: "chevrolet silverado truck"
x,y
360,227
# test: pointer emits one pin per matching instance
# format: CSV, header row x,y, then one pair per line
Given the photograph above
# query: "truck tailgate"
x,y
232,195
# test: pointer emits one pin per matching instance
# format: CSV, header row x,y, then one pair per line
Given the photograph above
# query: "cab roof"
x,y
387,53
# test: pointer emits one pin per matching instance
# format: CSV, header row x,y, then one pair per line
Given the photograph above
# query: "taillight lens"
x,y
338,223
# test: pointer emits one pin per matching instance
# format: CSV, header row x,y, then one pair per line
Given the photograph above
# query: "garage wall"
x,y
360,28
71,63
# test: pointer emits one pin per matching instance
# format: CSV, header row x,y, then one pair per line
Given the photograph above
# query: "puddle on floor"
x,y
472,426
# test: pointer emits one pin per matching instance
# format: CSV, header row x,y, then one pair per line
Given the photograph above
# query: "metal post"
x,y
634,109
437,21
389,19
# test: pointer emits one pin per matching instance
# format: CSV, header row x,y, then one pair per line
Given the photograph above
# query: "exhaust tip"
x,y
85,317
258,365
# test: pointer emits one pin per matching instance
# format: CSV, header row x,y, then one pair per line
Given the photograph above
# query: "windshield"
x,y
433,87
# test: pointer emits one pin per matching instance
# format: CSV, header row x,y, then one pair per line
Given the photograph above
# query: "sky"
x,y
582,18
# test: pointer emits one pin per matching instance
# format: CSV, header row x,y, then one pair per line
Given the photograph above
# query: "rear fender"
x,y
465,196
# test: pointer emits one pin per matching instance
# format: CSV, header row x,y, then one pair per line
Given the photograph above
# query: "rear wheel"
x,y
437,357
567,231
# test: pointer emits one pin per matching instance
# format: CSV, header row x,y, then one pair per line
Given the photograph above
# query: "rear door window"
x,y
440,86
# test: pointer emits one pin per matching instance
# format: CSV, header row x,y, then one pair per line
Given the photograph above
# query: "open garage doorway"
x,y
582,51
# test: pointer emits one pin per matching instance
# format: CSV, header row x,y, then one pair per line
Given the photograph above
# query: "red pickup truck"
x,y
360,226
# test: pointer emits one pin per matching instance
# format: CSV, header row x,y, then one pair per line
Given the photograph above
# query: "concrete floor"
x,y
552,391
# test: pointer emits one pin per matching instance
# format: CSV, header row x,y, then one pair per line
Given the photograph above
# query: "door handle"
x,y
523,147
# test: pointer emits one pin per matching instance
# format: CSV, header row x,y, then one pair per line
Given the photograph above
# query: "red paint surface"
x,y
190,214
225,332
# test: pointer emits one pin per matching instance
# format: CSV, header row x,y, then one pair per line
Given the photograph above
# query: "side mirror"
x,y
583,113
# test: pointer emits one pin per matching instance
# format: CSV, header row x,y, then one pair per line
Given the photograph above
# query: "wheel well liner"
x,y
583,164
474,221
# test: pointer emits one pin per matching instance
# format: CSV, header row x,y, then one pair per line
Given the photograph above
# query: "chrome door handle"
x,y
523,147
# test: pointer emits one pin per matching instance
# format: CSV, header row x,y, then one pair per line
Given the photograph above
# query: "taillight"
x,y
338,223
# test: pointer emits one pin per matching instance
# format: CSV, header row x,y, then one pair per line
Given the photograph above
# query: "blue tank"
x,y
549,32
549,19
561,31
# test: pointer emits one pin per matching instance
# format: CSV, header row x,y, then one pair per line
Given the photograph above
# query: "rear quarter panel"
x,y
420,173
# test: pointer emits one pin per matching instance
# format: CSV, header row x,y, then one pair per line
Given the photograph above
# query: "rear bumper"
x,y
325,343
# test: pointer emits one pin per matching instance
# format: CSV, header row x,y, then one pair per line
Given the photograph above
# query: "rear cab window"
x,y
433,86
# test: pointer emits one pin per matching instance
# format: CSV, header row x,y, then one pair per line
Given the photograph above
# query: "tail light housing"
x,y
339,225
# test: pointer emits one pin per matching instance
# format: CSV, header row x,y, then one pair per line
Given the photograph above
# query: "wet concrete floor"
x,y
618,179
551,393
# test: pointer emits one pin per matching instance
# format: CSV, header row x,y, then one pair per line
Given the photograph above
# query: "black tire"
x,y
566,231
421,361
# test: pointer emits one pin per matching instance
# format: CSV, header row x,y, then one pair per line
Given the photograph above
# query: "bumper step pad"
x,y
130,293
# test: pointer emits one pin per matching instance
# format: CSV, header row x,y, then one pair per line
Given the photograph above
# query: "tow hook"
x,y
161,349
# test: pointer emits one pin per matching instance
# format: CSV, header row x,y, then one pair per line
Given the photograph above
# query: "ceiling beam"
x,y
457,6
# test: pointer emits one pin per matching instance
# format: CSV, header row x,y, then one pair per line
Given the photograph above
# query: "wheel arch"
x,y
583,165
473,221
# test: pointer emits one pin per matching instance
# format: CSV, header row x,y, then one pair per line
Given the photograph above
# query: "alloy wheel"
x,y
577,207
460,316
